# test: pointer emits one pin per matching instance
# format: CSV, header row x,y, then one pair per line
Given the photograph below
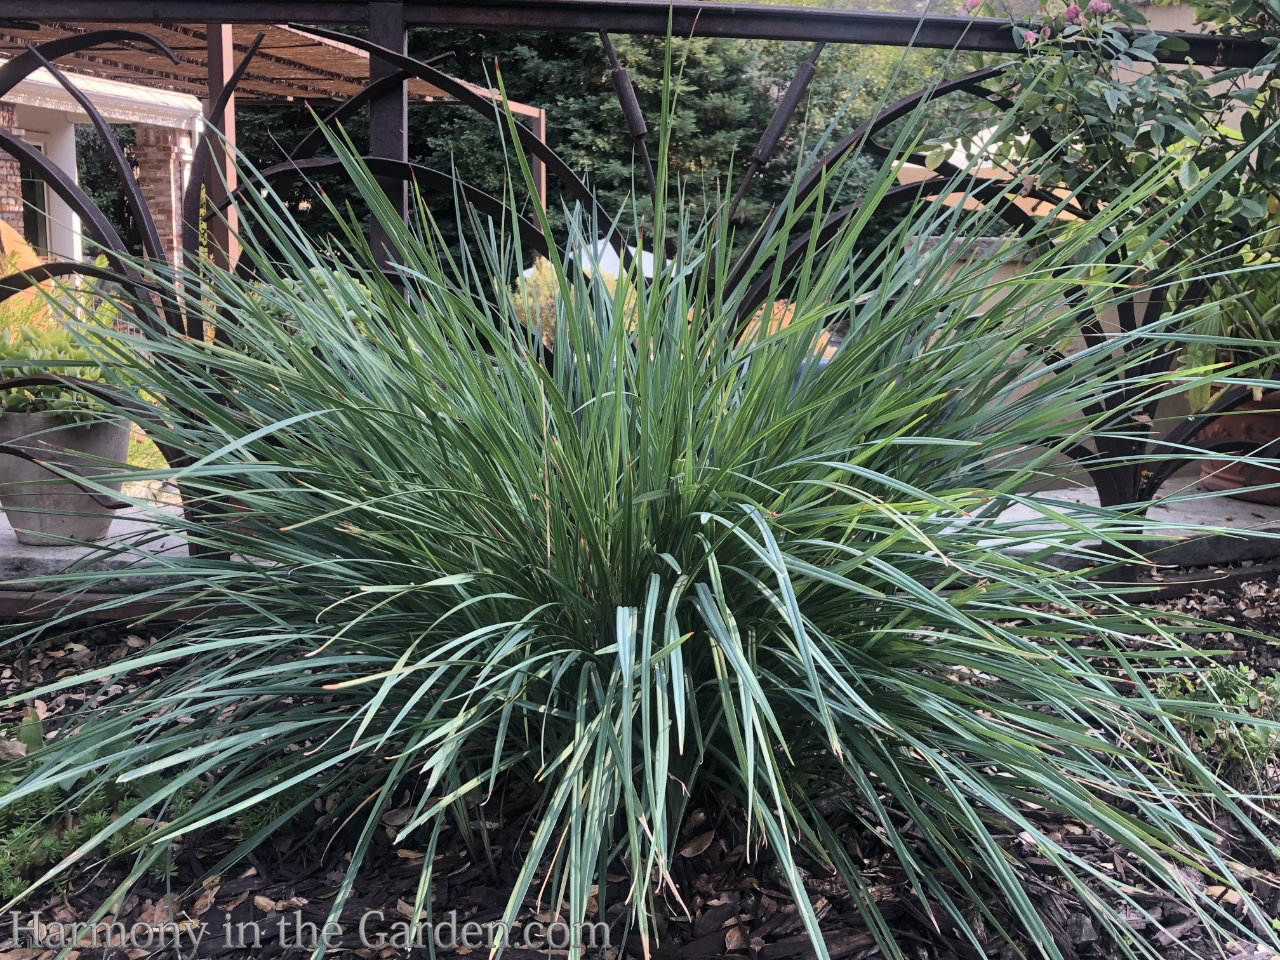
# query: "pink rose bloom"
x,y
1098,8
972,5
1073,14
1045,33
1028,38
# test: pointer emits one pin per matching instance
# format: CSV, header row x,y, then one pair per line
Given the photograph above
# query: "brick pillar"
x,y
10,174
163,155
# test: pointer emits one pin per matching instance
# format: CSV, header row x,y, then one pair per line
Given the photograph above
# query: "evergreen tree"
x,y
98,178
719,109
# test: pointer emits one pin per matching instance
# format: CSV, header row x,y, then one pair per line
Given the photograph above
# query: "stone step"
x,y
1191,525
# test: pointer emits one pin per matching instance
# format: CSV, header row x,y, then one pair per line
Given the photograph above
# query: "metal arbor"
x,y
1114,458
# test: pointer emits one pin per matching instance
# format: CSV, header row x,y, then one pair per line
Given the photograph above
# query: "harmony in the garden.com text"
x,y
373,929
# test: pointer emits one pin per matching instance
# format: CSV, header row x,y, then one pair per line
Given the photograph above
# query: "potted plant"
x,y
1250,330
58,427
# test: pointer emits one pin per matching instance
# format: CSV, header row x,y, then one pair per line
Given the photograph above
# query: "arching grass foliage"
x,y
670,566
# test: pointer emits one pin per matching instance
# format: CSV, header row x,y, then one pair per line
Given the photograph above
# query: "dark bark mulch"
x,y
737,906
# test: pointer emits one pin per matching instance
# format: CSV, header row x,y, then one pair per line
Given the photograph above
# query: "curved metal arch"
x,y
812,176
25,64
133,193
104,234
972,83
42,56
17,282
308,145
150,236
100,229
986,190
1185,435
410,173
485,107
1115,483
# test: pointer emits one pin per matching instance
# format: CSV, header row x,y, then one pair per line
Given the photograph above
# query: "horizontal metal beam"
x,y
685,17
767,22
186,11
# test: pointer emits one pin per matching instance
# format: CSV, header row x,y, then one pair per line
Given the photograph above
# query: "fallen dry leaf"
x,y
205,900
698,844
397,818
405,909
1223,895
161,912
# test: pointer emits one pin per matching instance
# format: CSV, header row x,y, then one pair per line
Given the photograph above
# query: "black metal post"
x,y
388,114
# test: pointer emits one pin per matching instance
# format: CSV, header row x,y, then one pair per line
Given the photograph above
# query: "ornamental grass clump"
x,y
652,566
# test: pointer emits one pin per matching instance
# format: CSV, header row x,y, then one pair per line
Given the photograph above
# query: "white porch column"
x,y
64,224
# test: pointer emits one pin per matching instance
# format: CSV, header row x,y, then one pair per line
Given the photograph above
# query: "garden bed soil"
x,y
738,907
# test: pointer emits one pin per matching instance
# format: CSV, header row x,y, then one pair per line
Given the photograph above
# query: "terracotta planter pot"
x,y
1258,423
30,507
